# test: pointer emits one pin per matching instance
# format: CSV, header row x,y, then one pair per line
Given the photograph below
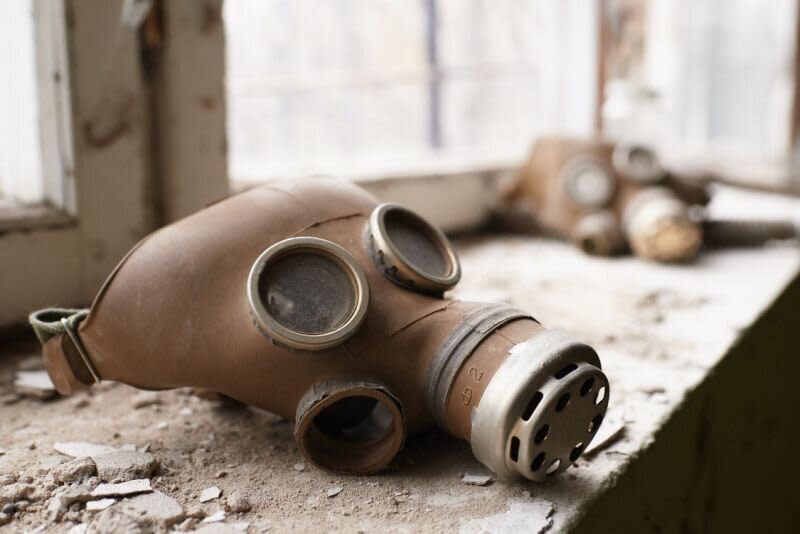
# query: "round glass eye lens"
x,y
307,293
592,186
416,244
641,160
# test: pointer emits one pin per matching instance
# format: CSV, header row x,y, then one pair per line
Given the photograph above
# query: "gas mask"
x,y
310,300
608,197
605,197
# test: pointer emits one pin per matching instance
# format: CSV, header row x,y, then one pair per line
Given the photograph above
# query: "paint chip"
x,y
82,449
99,504
216,517
131,487
476,480
209,494
333,491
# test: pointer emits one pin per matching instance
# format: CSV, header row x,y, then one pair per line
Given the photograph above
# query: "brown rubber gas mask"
x,y
605,196
310,300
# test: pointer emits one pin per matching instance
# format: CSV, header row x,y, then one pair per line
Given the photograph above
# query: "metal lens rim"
x,y
282,335
572,169
621,157
406,271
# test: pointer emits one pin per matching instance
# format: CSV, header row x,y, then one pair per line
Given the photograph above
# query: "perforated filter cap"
x,y
541,409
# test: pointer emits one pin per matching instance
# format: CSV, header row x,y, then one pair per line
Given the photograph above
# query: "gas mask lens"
x,y
588,183
638,162
307,293
410,251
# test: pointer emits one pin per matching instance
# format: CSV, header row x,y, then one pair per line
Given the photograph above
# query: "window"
x,y
20,157
712,79
71,202
364,87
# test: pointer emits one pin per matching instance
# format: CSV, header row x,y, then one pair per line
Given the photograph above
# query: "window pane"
x,y
360,85
701,78
20,146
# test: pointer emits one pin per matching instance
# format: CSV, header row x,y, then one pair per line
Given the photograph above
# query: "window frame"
x,y
124,143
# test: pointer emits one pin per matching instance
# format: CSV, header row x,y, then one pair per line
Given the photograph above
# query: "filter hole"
x,y
601,395
587,386
541,434
562,402
553,467
565,371
514,452
576,452
532,404
537,462
594,424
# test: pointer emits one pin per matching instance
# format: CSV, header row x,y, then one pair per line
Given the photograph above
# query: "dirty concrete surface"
x,y
209,467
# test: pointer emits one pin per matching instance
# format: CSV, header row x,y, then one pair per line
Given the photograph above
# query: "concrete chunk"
x,y
153,508
125,465
73,471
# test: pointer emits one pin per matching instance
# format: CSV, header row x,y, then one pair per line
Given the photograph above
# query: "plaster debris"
x,y
121,489
162,425
14,492
300,466
611,429
61,501
476,480
145,399
333,491
534,517
155,507
99,504
82,449
209,494
122,465
186,412
216,517
35,384
75,470
80,528
237,502
2,451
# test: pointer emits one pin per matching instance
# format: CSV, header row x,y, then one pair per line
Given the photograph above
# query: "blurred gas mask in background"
x,y
609,197
310,300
